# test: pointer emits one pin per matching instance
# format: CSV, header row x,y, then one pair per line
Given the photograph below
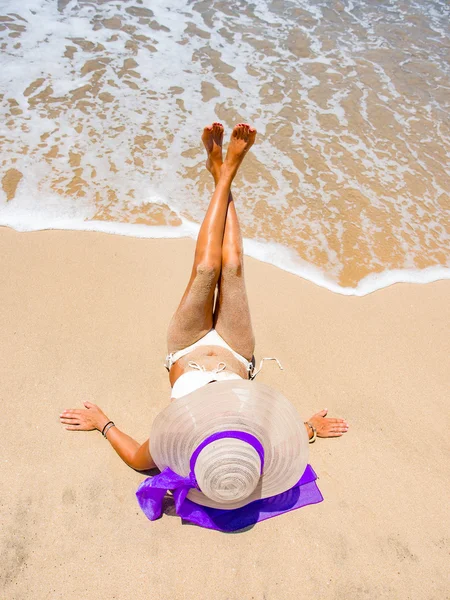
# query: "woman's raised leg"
x,y
194,316
232,313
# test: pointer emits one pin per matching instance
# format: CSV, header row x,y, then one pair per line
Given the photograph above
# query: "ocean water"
x,y
103,103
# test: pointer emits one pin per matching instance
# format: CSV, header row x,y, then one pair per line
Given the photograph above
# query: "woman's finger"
x,y
71,413
73,427
72,421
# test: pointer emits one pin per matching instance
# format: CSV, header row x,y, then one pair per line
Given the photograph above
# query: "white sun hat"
x,y
230,471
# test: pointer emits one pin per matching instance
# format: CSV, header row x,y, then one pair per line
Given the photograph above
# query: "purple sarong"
x,y
152,491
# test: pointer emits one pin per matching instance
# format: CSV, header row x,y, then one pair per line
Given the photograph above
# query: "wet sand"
x,y
84,316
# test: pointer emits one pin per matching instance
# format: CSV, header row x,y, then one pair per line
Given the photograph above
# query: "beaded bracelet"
x,y
104,430
314,430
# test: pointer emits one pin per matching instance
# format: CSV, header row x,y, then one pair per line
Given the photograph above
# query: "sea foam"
x,y
269,252
347,185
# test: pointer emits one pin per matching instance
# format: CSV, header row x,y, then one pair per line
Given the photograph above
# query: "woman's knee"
x,y
208,270
232,266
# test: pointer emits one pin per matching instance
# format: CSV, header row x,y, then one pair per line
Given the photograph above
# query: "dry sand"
x,y
83,316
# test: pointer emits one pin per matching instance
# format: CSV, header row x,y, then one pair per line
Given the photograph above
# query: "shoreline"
x,y
84,316
271,253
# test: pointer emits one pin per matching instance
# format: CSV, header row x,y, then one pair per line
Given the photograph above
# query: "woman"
x,y
210,341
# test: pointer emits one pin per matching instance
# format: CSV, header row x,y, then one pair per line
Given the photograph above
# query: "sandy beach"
x,y
83,316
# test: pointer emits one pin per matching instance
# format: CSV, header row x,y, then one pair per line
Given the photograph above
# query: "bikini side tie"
x,y
261,364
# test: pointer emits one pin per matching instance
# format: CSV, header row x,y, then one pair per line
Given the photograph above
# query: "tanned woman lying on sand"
x,y
231,450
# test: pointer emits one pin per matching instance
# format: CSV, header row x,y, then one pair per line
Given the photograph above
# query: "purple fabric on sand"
x,y
151,493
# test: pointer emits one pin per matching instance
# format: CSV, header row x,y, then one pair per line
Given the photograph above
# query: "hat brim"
x,y
233,405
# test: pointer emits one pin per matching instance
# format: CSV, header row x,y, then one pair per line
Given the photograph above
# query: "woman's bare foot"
x,y
242,138
212,139
326,427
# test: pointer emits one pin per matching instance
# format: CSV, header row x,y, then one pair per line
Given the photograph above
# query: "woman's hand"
x,y
135,455
88,419
326,427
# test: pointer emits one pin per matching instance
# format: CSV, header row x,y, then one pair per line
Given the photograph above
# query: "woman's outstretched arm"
x,y
135,455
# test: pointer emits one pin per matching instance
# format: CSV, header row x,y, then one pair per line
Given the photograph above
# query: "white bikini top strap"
x,y
194,365
220,367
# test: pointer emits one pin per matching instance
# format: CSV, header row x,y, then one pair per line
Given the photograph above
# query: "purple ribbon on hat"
x,y
152,491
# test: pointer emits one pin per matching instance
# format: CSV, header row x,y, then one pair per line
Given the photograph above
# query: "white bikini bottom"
x,y
212,338
192,380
